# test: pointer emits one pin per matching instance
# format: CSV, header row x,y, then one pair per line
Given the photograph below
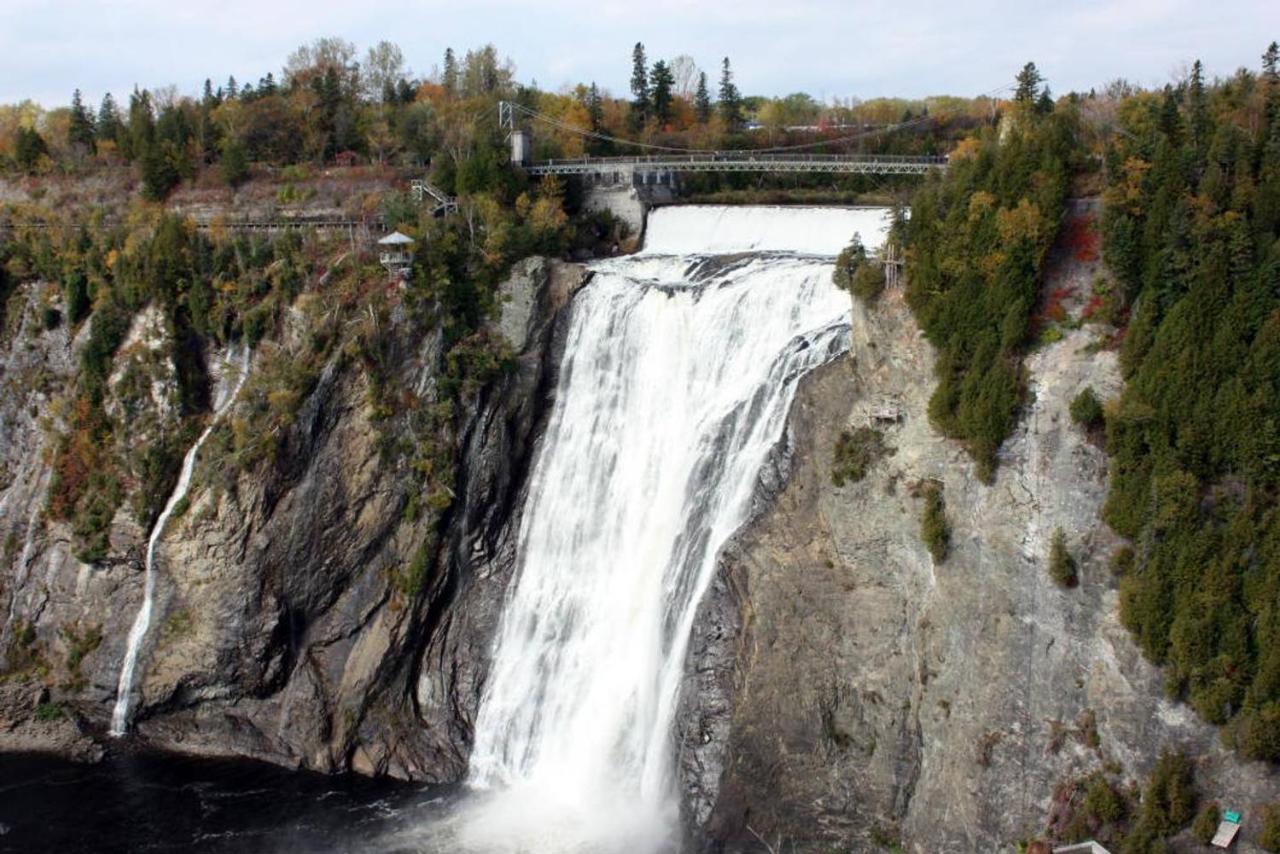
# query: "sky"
x,y
828,48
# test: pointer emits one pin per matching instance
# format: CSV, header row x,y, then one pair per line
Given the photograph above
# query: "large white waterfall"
x,y
142,622
679,368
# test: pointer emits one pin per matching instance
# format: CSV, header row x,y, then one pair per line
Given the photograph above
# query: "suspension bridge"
x,y
665,162
652,169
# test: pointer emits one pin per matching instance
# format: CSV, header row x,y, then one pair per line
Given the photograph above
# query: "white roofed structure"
x,y
396,255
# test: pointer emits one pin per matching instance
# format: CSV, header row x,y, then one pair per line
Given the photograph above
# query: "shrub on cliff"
x,y
1086,409
935,530
1062,566
856,452
858,273
1206,823
1168,804
1269,836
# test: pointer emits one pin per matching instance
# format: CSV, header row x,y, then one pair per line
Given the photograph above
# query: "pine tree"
x,y
639,87
595,108
80,131
1044,104
730,101
108,125
661,80
140,133
1271,77
449,78
1029,81
1198,109
28,148
231,90
702,99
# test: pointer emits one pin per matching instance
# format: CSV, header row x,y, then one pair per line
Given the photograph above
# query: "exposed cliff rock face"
x,y
845,691
479,555
279,631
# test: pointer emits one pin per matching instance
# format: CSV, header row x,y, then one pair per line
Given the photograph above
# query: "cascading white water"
x,y
24,557
677,376
142,622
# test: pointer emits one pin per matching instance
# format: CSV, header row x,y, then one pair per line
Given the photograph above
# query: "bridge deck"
x,y
742,161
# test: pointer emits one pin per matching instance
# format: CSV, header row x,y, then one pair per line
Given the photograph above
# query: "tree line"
x,y
331,105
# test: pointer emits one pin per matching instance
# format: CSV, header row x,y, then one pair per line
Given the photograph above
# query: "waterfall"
x,y
679,369
142,622
23,570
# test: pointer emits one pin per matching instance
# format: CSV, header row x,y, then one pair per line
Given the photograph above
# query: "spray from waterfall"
x,y
678,373
142,622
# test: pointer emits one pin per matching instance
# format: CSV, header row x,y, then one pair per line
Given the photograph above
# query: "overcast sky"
x,y
841,48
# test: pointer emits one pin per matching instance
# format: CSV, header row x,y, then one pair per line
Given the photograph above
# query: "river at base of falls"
x,y
155,803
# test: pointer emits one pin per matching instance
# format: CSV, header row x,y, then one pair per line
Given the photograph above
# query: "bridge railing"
x,y
747,155
741,161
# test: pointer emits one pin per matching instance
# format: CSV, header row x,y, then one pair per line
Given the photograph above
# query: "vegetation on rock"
x,y
935,530
855,452
977,240
1086,409
1062,566
858,273
1192,230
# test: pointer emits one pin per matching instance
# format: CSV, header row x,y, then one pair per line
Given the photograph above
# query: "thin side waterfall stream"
x,y
678,373
142,622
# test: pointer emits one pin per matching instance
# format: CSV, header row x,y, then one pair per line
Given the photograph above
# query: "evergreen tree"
x,y
140,133
639,87
267,85
80,131
1044,104
235,162
702,99
449,78
595,108
661,80
231,90
207,98
108,124
159,172
730,101
1198,108
28,148
1271,77
1029,81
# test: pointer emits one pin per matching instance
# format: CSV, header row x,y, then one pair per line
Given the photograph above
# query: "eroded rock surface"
x,y
279,630
870,696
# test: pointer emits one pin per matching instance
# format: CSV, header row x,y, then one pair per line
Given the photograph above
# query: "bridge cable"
x,y
537,116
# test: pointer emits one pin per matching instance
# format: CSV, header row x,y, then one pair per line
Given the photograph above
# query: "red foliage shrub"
x,y
1083,239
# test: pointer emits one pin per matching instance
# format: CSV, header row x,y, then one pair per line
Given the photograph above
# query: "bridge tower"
x,y
521,144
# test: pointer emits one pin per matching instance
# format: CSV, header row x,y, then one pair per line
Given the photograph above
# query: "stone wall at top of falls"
x,y
724,229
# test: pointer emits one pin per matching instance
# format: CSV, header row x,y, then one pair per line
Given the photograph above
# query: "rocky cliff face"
x,y
844,691
279,630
